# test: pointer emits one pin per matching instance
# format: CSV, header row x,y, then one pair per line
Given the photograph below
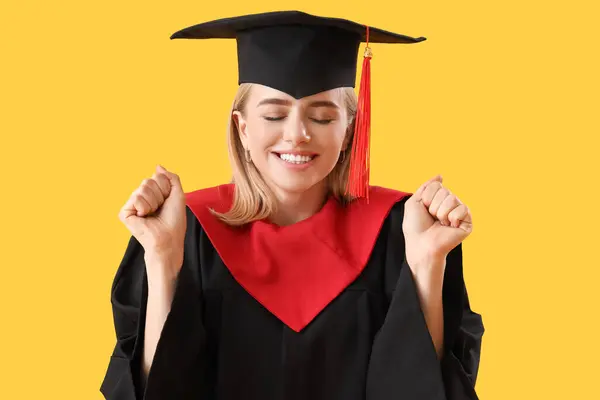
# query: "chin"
x,y
295,185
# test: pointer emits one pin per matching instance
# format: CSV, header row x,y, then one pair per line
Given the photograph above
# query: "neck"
x,y
295,207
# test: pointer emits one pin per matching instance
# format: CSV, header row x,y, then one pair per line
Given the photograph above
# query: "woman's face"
x,y
293,143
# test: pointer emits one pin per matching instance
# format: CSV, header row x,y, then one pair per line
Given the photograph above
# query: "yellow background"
x,y
502,100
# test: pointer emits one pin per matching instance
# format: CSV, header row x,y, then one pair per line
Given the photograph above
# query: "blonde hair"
x,y
253,200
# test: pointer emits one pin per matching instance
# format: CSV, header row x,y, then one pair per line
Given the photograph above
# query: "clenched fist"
x,y
155,214
435,222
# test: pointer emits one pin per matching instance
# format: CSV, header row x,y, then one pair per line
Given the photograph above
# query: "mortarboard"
x,y
303,54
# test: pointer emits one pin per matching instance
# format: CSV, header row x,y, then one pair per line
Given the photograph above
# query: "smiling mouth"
x,y
296,158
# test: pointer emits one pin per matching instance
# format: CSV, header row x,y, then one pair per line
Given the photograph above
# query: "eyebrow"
x,y
284,102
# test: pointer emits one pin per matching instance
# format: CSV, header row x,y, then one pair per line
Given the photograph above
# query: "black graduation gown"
x,y
371,342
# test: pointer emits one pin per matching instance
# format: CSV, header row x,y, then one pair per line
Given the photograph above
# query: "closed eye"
x,y
318,121
273,118
322,121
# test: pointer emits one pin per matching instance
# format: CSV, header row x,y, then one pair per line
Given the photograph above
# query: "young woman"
x,y
285,284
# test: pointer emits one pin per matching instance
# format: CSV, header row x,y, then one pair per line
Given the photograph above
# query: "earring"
x,y
342,158
247,156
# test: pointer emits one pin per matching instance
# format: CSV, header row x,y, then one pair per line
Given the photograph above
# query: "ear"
x,y
241,126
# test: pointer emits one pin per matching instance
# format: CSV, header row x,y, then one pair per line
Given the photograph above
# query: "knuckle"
x,y
162,178
139,200
146,191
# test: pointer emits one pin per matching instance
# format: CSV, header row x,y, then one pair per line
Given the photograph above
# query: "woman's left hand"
x,y
435,222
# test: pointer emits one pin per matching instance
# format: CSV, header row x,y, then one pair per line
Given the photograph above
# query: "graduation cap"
x,y
302,54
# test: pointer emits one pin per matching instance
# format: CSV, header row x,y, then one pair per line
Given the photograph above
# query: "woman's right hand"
x,y
155,214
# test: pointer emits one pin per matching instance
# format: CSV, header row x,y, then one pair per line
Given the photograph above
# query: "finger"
x,y
439,197
173,178
128,209
128,215
142,205
430,192
163,183
459,215
418,194
156,190
148,194
449,203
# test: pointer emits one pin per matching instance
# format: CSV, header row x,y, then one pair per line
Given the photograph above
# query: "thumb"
x,y
417,195
135,224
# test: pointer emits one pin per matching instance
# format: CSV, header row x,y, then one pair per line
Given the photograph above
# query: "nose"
x,y
295,131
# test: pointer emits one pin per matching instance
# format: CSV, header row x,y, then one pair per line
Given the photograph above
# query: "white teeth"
x,y
295,159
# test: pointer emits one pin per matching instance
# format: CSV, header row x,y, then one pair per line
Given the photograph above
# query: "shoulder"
x,y
383,202
362,220
381,191
198,205
397,208
385,209
384,194
217,197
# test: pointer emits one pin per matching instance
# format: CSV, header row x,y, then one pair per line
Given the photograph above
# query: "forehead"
x,y
261,92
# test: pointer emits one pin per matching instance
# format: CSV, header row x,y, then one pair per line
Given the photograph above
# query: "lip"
x,y
296,153
297,167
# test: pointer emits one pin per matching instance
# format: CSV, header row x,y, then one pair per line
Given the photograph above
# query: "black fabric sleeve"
x,y
403,362
179,363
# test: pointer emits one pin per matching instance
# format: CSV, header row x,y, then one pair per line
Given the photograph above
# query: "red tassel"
x,y
358,180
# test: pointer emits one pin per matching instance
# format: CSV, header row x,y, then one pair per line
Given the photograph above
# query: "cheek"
x,y
262,135
332,138
330,144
